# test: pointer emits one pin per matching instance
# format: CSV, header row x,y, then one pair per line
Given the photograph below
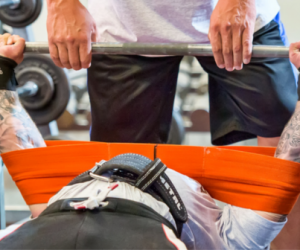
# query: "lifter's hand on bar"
x,y
295,54
12,47
71,29
231,33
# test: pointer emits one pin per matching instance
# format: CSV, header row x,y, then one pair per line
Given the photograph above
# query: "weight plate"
x,y
45,87
22,15
61,87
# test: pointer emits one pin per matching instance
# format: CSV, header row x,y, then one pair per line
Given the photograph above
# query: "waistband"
x,y
116,205
248,177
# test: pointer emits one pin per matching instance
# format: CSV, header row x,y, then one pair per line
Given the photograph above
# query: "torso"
x,y
163,21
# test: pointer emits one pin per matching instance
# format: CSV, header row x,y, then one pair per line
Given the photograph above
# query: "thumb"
x,y
19,43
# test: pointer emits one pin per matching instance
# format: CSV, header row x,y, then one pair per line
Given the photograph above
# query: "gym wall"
x,y
290,17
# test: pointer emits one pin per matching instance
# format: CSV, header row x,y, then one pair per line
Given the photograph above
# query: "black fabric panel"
x,y
132,97
7,74
120,225
256,101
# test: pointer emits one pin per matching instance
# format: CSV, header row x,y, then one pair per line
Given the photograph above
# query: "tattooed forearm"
x,y
289,144
17,130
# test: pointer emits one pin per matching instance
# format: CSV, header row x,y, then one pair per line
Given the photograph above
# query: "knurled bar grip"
x,y
161,49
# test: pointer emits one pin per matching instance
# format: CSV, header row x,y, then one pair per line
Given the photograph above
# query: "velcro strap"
x,y
151,174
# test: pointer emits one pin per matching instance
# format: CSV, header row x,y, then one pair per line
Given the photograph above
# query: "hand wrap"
x,y
8,79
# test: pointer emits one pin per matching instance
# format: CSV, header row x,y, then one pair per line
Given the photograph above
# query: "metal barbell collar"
x,y
162,49
28,89
11,3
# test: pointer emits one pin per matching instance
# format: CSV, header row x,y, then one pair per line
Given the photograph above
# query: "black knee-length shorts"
x,y
132,96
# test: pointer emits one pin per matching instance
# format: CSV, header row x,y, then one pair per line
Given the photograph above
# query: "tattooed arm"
x,y
17,130
289,144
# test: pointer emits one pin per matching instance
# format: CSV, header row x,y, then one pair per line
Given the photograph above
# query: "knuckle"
x,y
217,50
65,61
57,63
227,51
75,65
215,27
226,27
83,39
237,49
55,57
22,40
86,61
247,44
58,39
236,25
70,39
243,26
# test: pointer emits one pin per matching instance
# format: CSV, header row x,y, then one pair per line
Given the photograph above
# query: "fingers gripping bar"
x,y
161,49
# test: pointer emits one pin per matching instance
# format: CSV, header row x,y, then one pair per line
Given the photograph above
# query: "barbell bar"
x,y
162,49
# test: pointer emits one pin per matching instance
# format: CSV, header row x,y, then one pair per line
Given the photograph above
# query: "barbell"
x,y
161,49
44,89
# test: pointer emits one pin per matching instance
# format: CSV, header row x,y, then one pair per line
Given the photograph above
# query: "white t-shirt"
x,y
163,21
207,228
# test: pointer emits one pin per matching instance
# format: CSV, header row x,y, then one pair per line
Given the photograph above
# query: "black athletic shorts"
x,y
122,224
132,96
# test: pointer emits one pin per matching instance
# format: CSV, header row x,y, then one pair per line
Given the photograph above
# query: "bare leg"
x,y
267,142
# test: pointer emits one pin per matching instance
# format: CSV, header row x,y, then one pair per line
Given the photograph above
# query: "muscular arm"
x,y
17,130
289,144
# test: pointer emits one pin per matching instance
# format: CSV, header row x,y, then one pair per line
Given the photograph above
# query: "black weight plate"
x,y
44,83
23,15
61,93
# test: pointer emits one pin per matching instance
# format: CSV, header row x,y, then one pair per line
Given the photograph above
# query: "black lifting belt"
x,y
149,176
7,74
